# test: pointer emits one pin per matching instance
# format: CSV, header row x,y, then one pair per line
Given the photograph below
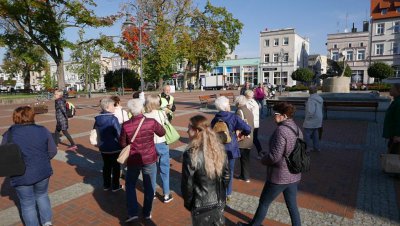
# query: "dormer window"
x,y
335,46
349,45
384,11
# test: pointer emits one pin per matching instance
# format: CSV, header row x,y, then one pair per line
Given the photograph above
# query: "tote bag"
x,y
124,155
11,161
94,137
171,135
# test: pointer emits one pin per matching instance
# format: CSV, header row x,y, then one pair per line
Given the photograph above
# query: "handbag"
x,y
390,163
11,161
124,155
171,135
94,138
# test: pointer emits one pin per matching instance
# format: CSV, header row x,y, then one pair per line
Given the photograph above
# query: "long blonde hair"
x,y
207,142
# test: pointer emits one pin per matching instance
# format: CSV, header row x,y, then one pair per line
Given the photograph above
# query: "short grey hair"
x,y
105,103
135,106
312,89
152,102
249,93
222,104
241,101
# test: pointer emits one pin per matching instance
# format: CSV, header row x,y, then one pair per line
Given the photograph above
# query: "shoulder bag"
x,y
11,161
124,155
171,135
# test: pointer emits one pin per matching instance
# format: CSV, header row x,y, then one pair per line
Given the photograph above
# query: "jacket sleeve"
x,y
277,150
187,181
117,126
123,138
311,108
242,126
4,140
62,107
226,173
51,146
158,129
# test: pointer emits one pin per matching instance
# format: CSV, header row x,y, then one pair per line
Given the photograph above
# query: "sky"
x,y
313,19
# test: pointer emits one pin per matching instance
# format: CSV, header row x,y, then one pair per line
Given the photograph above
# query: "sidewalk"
x,y
344,187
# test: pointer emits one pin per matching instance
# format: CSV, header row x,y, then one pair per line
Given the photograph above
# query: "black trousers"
x,y
256,142
214,217
244,163
111,168
66,134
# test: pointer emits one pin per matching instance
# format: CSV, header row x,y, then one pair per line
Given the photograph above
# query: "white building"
x,y
355,46
71,78
318,64
281,53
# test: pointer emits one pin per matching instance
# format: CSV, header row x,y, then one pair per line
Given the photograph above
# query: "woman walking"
x,y
279,179
109,129
253,106
142,158
37,147
205,174
152,107
62,120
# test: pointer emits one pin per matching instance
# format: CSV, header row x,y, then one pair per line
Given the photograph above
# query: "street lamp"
x,y
128,22
281,56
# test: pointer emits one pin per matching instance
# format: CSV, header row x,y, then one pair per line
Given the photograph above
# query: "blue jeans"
x,y
269,194
32,196
149,173
261,104
231,171
311,134
163,162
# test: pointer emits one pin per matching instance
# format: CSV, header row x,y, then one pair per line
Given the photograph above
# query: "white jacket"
x,y
253,106
121,114
313,112
160,117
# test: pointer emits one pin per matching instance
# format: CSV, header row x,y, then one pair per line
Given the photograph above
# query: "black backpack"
x,y
299,160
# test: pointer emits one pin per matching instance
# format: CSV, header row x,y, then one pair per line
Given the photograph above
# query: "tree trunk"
x,y
60,74
27,79
198,74
184,79
160,84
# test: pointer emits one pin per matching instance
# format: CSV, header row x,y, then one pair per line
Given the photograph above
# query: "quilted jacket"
x,y
143,150
61,114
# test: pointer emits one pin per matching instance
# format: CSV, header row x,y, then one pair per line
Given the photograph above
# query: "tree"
x,y
303,75
86,60
23,60
114,79
336,69
43,23
380,70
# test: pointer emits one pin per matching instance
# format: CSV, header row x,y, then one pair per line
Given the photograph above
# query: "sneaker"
x,y
148,217
117,189
130,219
167,198
155,196
106,188
247,180
72,148
228,198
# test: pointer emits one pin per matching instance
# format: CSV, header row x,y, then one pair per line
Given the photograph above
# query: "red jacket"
x,y
143,151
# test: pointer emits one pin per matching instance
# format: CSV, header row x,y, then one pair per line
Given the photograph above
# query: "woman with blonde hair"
x,y
205,174
152,106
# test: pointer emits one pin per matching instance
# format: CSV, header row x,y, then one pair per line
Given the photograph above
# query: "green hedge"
x,y
299,87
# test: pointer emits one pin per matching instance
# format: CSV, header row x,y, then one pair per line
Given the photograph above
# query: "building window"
x,y
349,45
361,55
285,57
335,56
335,46
277,78
267,42
380,29
361,44
285,41
396,27
398,9
384,11
395,48
349,55
379,49
276,57
357,76
266,58
266,77
276,42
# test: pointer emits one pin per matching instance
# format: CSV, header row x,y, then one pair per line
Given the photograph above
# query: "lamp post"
x,y
281,54
122,78
129,23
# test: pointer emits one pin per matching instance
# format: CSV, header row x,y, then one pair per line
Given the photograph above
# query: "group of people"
x,y
208,162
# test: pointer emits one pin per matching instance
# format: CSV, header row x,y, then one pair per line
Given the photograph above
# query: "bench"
x,y
271,102
366,106
207,99
118,91
228,95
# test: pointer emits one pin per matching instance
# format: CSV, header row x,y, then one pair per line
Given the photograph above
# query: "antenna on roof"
x,y
337,27
345,29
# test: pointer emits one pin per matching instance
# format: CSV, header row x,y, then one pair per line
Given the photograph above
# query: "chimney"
x,y
365,26
353,30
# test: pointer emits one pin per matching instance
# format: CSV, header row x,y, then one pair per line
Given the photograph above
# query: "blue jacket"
x,y
108,131
234,123
37,147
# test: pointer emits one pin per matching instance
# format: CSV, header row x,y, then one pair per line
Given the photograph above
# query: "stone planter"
x,y
336,85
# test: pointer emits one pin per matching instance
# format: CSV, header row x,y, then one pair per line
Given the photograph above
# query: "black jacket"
x,y
197,189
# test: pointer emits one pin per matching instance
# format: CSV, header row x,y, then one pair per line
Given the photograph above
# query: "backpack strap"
x,y
295,132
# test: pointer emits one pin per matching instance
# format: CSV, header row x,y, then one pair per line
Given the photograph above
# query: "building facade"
x,y
281,53
355,47
318,64
385,33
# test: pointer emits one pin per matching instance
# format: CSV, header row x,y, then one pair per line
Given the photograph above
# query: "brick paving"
x,y
344,187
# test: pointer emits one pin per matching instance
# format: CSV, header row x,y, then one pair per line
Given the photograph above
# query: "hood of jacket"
x,y
108,130
317,98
